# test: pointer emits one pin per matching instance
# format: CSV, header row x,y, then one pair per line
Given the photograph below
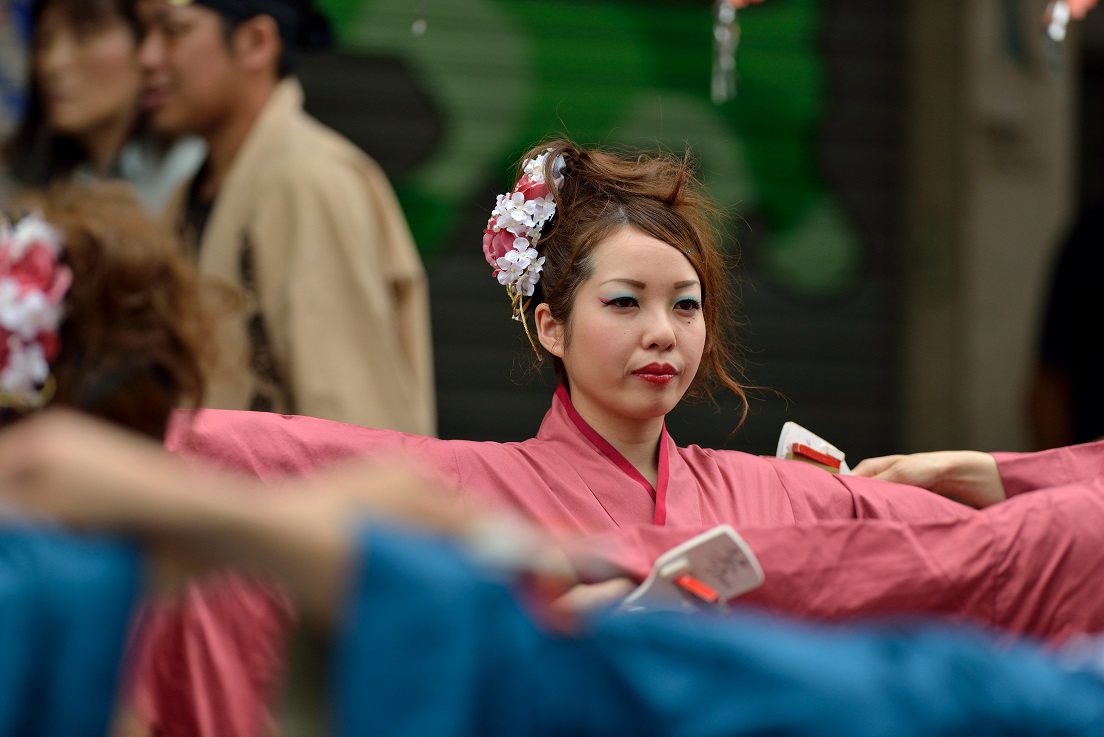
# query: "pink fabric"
x,y
1022,472
208,662
563,480
1024,565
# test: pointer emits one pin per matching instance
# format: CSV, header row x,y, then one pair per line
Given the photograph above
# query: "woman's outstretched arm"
x,y
967,476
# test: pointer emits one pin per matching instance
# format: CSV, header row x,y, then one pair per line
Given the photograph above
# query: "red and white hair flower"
x,y
33,284
511,236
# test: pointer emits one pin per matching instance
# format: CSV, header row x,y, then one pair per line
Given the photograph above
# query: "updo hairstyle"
x,y
658,194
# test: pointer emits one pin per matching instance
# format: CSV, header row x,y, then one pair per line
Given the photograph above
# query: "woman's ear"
x,y
549,330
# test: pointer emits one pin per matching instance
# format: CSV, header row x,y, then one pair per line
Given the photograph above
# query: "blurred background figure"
x,y
81,116
336,315
1066,391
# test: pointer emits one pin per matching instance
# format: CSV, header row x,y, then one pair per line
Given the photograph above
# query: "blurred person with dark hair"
x,y
337,318
82,117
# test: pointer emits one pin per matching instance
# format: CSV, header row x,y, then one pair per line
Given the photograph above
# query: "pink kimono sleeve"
x,y
815,494
1028,565
1022,472
209,663
265,445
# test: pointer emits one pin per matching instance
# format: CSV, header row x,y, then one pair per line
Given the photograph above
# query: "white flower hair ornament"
x,y
33,284
511,236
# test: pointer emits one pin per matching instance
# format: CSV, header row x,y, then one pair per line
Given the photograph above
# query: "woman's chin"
x,y
657,406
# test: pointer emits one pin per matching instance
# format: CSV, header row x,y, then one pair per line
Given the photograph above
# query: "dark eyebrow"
x,y
642,285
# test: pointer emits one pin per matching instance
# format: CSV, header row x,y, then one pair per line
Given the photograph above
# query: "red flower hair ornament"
x,y
33,285
511,236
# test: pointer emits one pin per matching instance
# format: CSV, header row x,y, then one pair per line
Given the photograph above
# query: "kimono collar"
x,y
659,493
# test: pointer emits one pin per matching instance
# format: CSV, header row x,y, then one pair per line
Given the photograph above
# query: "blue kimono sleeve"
x,y
65,606
433,647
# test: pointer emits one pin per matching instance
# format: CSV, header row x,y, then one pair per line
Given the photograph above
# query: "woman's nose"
x,y
659,331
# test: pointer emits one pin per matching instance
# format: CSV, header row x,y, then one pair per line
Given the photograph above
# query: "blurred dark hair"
x,y
657,193
132,341
35,155
302,26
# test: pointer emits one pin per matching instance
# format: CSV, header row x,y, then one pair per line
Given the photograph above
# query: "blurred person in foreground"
x,y
433,632
336,323
82,117
99,312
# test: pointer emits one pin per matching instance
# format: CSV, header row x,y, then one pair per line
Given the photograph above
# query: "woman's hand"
x,y
587,597
966,476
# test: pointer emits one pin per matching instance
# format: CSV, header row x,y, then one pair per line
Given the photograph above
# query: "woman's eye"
x,y
688,305
621,302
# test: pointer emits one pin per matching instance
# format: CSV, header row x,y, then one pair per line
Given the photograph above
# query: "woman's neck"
x,y
103,143
636,440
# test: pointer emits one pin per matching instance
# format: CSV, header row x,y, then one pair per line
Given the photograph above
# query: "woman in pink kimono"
x,y
615,260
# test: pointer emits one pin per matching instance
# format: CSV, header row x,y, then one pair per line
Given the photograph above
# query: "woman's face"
x,y
87,73
636,332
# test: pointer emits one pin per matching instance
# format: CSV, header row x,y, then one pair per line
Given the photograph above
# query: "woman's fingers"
x,y
873,467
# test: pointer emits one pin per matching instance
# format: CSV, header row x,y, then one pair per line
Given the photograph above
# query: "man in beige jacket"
x,y
336,320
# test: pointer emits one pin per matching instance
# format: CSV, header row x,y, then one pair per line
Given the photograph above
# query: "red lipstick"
x,y
657,373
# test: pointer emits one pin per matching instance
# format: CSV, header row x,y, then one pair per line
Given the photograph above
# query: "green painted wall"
x,y
506,73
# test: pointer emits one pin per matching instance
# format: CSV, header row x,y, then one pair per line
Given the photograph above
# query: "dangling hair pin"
x,y
33,284
511,236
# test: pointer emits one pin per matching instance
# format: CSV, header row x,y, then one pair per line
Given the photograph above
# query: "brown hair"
x,y
131,340
657,193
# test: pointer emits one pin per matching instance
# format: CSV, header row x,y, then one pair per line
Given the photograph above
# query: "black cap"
x,y
302,26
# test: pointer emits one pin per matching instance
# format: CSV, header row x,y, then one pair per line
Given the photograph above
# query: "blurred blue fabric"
x,y
432,647
65,606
